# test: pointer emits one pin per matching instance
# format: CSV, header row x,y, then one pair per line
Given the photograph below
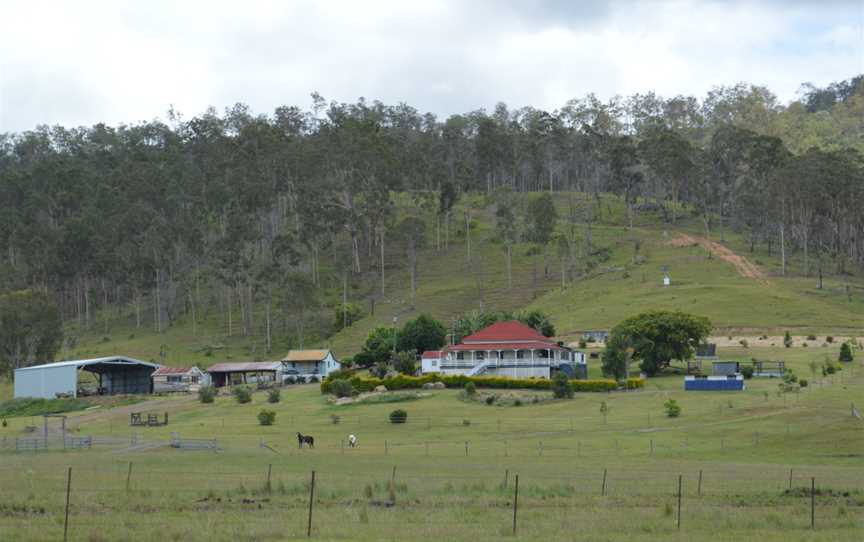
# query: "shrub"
x,y
266,417
803,383
804,345
829,339
341,388
313,379
334,419
490,399
747,371
206,394
634,383
242,394
744,343
466,423
290,379
830,369
673,409
811,337
583,344
398,416
789,377
845,353
380,369
405,363
517,402
345,315
787,340
405,382
470,389
561,387
274,395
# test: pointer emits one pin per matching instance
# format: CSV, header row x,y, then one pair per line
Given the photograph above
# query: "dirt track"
x,y
745,267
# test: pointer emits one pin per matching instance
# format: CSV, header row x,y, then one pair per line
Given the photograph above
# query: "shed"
x,y
725,368
168,379
706,351
233,374
116,374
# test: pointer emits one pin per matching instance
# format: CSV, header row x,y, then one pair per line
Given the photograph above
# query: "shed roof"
x,y
108,360
173,370
306,355
245,367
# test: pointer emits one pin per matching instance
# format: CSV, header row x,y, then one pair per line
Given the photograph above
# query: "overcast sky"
x,y
83,62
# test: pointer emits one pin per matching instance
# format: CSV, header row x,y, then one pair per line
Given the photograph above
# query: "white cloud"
x,y
81,63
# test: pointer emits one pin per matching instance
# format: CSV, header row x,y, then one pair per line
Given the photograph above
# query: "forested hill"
x,y
267,227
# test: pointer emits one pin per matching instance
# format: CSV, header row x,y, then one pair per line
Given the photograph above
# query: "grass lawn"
x,y
442,474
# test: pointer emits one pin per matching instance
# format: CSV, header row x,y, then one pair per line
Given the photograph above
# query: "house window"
x,y
174,379
434,363
542,353
480,355
460,355
520,354
194,379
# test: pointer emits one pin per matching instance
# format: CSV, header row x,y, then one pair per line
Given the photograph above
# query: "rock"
x,y
439,386
429,386
380,389
344,401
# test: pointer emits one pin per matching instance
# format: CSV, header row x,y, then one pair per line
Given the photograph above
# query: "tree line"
x,y
223,213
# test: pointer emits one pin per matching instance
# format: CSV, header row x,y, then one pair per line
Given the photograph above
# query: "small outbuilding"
x,y
725,368
714,383
234,374
114,375
179,379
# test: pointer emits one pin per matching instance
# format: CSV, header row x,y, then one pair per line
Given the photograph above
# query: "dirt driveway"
x,y
745,267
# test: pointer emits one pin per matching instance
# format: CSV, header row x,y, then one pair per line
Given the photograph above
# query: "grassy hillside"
x,y
620,281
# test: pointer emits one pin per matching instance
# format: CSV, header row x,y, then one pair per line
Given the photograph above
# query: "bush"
x,y
470,389
313,379
747,372
242,394
274,396
517,402
803,383
380,369
811,337
404,382
266,417
345,315
583,343
744,343
490,399
673,409
206,394
634,383
405,363
787,340
845,353
829,339
398,416
290,379
334,419
561,387
341,388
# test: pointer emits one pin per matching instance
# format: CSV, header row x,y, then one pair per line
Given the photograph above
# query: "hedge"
x,y
403,382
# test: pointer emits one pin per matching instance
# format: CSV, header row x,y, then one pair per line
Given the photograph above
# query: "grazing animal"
x,y
305,439
352,441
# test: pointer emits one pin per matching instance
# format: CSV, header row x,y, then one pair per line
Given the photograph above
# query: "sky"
x,y
122,62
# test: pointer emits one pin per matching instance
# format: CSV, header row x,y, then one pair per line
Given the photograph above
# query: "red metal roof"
x,y
511,330
433,354
172,371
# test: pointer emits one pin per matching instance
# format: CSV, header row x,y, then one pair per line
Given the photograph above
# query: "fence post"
x,y
813,503
268,487
311,500
679,501
699,485
129,477
578,448
68,491
427,448
540,449
603,488
385,447
466,448
652,446
790,478
393,475
505,448
506,476
515,504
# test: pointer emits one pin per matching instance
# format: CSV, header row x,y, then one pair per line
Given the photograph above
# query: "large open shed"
x,y
115,375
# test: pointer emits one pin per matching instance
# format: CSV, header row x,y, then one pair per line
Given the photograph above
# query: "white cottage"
x,y
305,364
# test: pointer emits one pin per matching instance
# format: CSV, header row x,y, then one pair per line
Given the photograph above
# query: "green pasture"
x,y
443,472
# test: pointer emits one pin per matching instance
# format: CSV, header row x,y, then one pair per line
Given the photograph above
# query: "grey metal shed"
x,y
117,374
